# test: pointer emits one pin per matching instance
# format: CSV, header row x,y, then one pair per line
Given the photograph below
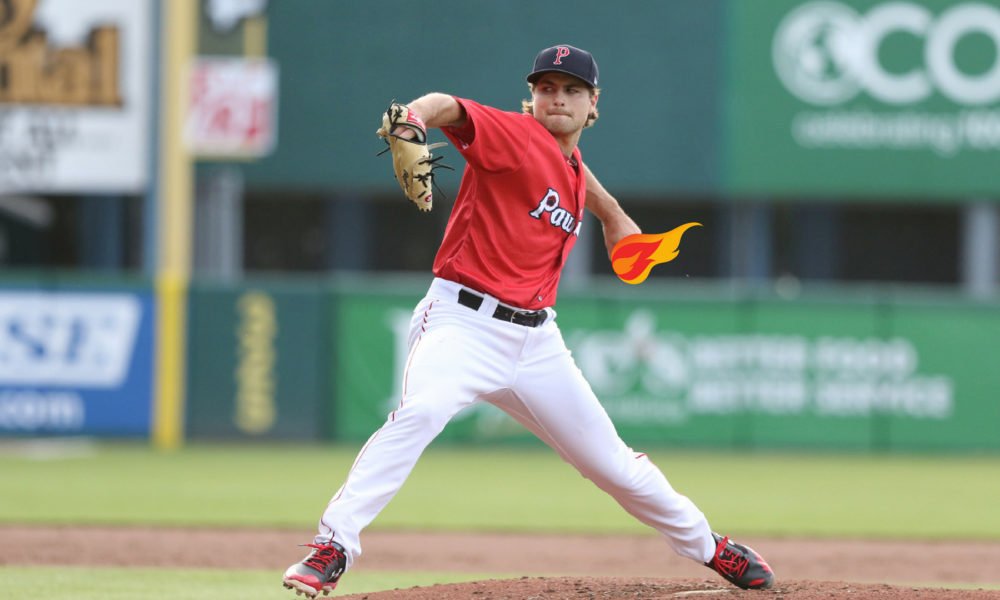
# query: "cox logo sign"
x,y
826,53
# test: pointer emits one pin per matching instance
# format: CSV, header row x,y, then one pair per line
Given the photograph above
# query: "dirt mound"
x,y
599,588
643,565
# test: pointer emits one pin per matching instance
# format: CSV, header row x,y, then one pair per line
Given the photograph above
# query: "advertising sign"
x,y
720,373
860,97
74,95
75,362
233,107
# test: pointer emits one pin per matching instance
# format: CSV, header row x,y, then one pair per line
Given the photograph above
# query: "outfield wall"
x,y
316,359
709,368
258,360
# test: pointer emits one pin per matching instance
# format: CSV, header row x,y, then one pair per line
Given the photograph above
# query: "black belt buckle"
x,y
527,318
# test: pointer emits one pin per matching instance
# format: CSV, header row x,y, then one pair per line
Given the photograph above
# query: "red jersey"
x,y
518,210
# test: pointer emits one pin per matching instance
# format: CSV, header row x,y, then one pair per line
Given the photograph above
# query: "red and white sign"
x,y
233,107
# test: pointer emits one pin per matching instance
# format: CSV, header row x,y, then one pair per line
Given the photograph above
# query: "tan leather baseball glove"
x,y
411,157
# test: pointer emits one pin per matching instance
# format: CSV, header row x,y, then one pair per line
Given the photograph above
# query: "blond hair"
x,y
528,106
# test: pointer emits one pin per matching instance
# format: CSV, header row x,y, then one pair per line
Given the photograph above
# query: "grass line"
x,y
503,489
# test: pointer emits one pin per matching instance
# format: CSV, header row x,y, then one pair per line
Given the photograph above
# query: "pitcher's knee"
x,y
617,483
619,478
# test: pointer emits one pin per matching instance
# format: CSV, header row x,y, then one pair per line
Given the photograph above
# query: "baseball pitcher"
x,y
486,330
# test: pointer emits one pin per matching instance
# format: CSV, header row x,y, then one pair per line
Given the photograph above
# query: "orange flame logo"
x,y
634,256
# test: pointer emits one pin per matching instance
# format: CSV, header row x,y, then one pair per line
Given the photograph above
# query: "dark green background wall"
x,y
342,63
258,357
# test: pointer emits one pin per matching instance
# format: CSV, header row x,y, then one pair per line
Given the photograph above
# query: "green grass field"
x,y
503,489
461,488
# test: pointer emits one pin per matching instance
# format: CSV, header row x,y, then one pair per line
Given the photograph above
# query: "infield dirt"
x,y
550,566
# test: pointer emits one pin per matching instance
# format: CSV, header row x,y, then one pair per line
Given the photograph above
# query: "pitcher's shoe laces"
x,y
740,565
317,572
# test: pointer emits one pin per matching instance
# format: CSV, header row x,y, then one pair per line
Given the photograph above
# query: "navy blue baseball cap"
x,y
565,59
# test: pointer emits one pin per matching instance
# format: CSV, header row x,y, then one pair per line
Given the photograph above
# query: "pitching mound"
x,y
598,588
643,566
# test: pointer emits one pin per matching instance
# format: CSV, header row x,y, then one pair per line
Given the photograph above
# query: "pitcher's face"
x,y
562,103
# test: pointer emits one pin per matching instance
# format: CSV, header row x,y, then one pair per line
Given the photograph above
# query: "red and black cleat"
x,y
740,565
317,572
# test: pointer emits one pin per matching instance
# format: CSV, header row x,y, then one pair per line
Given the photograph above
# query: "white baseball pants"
x,y
459,356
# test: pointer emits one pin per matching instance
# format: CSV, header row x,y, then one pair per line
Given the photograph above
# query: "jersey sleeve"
x,y
491,139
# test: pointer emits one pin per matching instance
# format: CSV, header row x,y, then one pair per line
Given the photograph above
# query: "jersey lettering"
x,y
558,217
549,203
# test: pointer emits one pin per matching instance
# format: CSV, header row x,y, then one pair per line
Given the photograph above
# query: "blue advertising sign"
x,y
75,362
